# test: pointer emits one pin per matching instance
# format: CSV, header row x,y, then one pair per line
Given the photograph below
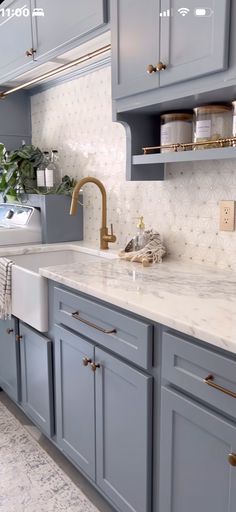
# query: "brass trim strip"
x,y
53,72
76,315
209,381
230,141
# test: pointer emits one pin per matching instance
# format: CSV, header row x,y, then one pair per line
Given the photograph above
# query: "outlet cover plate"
x,y
227,215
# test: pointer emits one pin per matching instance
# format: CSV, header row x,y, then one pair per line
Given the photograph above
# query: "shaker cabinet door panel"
x,y
37,385
9,359
194,39
75,401
64,22
194,449
135,45
15,36
123,433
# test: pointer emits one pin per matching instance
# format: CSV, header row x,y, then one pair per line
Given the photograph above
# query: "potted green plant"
x,y
18,171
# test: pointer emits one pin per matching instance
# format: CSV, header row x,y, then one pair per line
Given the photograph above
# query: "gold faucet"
x,y
105,237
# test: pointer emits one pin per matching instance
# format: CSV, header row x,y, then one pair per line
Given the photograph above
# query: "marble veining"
x,y
195,299
30,481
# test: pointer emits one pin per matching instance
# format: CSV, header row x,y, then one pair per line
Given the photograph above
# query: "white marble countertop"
x,y
193,299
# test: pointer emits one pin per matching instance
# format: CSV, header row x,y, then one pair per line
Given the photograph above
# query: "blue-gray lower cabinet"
x,y
9,359
123,433
75,397
104,419
37,378
195,444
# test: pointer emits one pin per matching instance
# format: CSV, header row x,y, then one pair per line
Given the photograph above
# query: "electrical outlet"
x,y
227,215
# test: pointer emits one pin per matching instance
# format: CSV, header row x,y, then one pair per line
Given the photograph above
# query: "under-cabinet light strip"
x,y
64,67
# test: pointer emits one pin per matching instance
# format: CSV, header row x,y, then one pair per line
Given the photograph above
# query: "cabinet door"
x,y
36,366
123,433
195,444
193,45
64,22
75,402
135,45
9,359
15,36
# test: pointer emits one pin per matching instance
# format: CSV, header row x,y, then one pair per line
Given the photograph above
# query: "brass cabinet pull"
x,y
30,52
9,331
94,366
86,361
76,315
209,381
159,67
151,69
18,337
232,459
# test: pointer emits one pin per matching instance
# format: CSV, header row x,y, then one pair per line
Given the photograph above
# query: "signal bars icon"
x,y
166,14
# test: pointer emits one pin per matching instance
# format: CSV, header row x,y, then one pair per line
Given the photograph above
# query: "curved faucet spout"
x,y
104,235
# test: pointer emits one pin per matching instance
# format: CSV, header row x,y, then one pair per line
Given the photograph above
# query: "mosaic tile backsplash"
x,y
75,118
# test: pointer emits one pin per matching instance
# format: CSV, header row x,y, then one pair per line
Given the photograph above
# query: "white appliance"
x,y
19,224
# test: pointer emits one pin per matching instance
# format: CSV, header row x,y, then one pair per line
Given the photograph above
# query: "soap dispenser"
x,y
141,238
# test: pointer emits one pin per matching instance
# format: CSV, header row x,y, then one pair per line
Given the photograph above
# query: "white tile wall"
x,y
75,118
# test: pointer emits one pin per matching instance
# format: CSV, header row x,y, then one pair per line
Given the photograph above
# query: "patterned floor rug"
x,y
30,481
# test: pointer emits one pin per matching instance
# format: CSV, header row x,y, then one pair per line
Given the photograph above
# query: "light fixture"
x,y
60,69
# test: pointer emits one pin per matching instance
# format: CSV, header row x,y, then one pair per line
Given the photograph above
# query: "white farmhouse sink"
x,y
30,290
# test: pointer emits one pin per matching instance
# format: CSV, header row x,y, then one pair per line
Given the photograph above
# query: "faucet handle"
x,y
112,229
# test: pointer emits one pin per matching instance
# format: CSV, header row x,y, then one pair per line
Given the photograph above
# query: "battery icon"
x,y
203,12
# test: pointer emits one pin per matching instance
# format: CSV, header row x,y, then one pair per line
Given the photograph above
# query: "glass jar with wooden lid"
x,y
213,123
176,128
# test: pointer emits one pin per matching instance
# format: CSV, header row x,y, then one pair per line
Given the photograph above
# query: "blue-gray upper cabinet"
x,y
123,433
9,359
37,378
64,22
194,448
178,42
193,44
135,44
75,399
15,37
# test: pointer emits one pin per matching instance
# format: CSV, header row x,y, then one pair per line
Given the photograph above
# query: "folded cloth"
x,y
5,288
152,252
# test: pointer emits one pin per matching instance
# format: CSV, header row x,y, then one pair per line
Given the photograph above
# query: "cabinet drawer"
x,y
189,367
123,335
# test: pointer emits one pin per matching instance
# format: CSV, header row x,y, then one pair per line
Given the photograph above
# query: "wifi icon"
x,y
183,11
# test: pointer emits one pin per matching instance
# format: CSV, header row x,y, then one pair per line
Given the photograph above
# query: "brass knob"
x,y
86,361
232,459
151,69
160,66
9,331
18,337
30,52
94,366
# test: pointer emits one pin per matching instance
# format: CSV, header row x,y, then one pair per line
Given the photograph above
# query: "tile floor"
x,y
62,462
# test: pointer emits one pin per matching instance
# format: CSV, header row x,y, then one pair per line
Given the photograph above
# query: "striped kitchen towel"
x,y
5,288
